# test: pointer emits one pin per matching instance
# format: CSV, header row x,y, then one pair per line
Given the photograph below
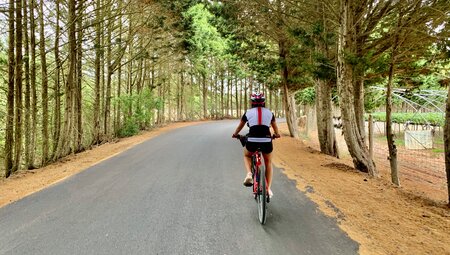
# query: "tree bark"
x,y
389,131
57,87
288,98
353,137
325,127
18,87
222,92
9,139
98,55
34,109
107,109
27,106
359,104
205,95
44,92
117,122
447,143
229,102
237,97
65,146
79,77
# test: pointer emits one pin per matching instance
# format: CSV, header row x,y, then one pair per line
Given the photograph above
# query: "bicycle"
x,y
260,188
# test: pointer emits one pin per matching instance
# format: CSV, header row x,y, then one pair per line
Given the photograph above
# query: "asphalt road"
x,y
179,193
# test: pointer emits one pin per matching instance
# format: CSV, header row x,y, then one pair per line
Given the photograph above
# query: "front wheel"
x,y
261,195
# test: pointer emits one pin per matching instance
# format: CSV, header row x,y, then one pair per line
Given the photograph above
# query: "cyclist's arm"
x,y
239,128
275,128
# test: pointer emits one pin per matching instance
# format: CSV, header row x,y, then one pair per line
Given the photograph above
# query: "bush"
x,y
430,118
129,128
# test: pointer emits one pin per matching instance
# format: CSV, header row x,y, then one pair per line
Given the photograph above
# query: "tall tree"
x,y
9,141
34,100
447,143
65,146
18,86
78,96
97,73
57,86
27,105
44,90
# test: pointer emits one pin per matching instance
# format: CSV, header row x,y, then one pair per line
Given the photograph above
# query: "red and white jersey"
x,y
259,120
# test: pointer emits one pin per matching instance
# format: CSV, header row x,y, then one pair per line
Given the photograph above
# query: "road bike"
x,y
260,187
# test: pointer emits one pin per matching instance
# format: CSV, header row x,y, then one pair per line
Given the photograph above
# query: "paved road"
x,y
179,193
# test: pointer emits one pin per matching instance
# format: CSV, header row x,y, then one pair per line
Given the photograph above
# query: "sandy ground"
x,y
382,218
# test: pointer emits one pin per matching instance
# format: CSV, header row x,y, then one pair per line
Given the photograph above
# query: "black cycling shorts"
x,y
264,147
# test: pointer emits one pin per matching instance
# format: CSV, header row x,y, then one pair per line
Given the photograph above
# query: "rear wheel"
x,y
261,195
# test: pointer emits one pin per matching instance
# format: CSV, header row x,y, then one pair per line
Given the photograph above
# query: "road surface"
x,y
178,193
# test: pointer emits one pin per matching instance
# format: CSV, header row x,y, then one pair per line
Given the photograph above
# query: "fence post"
x,y
371,136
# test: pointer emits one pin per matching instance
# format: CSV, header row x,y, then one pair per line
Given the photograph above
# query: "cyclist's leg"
x,y
247,160
269,172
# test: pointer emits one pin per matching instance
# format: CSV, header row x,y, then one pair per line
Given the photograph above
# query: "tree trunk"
x,y
205,95
18,87
229,104
44,92
222,92
359,104
57,95
390,135
98,55
168,94
27,106
117,122
9,139
353,137
79,76
191,110
288,98
447,143
237,97
34,109
389,132
107,109
325,127
245,104
178,97
64,146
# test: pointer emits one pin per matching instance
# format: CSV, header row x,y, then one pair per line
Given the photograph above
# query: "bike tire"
x,y
262,194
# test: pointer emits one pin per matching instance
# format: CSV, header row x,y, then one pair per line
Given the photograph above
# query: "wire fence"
x,y
421,170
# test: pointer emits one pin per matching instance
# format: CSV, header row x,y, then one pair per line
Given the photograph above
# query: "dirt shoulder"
x,y
382,218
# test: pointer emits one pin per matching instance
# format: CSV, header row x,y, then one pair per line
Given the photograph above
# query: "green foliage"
x,y
129,128
311,57
204,40
306,96
374,99
143,106
430,118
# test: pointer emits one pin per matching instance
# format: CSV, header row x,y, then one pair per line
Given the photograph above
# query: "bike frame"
x,y
256,164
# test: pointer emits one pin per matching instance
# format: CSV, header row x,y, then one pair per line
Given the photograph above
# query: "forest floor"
x,y
383,218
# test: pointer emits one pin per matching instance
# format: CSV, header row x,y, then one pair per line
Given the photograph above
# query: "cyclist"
x,y
259,120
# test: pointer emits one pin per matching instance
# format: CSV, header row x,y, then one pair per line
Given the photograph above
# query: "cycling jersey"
x,y
259,120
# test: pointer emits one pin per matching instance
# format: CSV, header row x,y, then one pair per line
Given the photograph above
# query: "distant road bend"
x,y
178,193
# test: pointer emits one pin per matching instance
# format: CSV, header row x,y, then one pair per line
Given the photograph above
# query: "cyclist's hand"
x,y
235,136
274,136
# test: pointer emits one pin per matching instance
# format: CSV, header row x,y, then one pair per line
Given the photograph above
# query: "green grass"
x,y
432,118
437,150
